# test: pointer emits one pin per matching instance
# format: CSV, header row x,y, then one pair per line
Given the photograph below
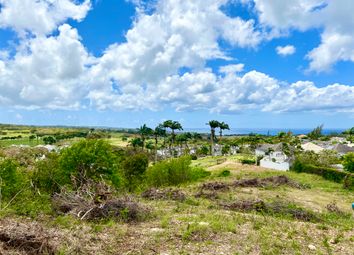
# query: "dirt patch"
x,y
215,186
18,238
333,208
166,194
269,181
125,208
273,208
255,182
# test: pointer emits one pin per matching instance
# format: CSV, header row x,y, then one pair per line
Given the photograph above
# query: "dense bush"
x,y
89,160
173,172
248,161
11,179
325,158
327,173
49,140
348,162
134,167
48,176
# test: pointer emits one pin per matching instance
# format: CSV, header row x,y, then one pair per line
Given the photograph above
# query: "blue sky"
x,y
118,63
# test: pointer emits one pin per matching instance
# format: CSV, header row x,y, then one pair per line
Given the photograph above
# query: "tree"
x,y
136,142
213,124
348,162
89,160
159,131
316,133
134,167
173,125
223,126
49,140
144,132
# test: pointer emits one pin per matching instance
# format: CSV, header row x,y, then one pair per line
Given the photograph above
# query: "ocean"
x,y
265,131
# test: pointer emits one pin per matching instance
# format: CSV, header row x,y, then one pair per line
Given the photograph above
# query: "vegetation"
x,y
85,196
348,162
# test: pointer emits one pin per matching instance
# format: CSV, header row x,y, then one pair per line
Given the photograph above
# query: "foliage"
x,y
225,149
348,162
11,179
49,140
325,158
134,167
316,133
48,176
89,159
203,150
327,173
247,161
173,172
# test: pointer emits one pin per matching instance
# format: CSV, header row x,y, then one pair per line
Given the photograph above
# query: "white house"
x,y
276,160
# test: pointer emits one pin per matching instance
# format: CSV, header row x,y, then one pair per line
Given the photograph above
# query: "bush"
x,y
49,140
11,179
134,167
89,159
327,173
173,172
48,176
248,161
348,162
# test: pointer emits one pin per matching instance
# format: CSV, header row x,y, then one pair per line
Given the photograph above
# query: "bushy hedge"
x,y
173,172
327,173
248,161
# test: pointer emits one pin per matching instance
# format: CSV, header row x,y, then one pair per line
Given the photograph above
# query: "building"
x,y
312,147
276,160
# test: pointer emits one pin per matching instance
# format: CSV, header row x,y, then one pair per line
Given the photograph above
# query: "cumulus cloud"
x,y
178,34
285,50
334,17
40,16
163,62
46,72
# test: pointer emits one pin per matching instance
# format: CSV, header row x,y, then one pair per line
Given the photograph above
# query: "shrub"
x,y
49,140
48,176
134,167
248,161
173,172
11,179
225,150
89,159
327,173
348,162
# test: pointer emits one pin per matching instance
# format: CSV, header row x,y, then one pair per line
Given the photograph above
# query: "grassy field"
x,y
202,225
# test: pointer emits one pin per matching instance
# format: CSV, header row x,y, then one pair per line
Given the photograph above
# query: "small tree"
x,y
348,162
134,167
89,160
316,133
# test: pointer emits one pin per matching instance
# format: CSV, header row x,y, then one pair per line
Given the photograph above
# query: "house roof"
x,y
342,148
265,147
312,147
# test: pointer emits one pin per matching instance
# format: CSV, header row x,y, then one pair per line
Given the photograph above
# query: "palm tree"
x,y
213,124
173,125
159,131
223,126
144,132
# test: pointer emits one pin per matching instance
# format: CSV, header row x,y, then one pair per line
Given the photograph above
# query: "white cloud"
x,y
335,18
40,16
57,72
285,50
46,72
178,34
